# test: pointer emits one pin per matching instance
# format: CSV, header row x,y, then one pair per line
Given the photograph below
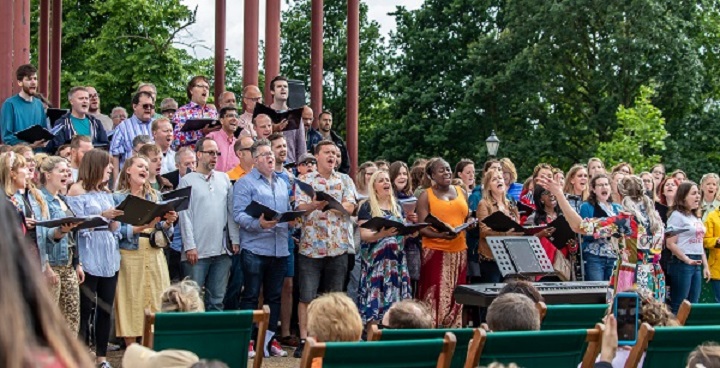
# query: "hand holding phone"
x,y
626,309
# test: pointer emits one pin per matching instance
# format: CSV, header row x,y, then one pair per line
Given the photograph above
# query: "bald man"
x,y
251,96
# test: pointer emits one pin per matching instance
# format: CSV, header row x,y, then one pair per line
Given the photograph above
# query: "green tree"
x,y
640,136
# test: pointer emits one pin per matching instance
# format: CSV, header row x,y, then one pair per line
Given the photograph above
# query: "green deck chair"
x,y
667,347
467,349
573,316
543,349
211,335
698,314
429,353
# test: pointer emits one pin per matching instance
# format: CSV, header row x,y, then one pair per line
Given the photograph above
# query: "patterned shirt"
x,y
185,113
121,144
326,234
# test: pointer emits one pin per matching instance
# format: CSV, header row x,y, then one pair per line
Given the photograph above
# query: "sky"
x,y
203,31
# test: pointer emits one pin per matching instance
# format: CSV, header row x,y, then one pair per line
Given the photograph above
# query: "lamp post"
x,y
492,143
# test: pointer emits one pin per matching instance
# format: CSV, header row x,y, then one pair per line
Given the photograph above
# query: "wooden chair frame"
x,y
542,309
684,312
314,349
645,335
261,317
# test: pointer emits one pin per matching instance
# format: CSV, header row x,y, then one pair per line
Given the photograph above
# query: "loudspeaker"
x,y
297,97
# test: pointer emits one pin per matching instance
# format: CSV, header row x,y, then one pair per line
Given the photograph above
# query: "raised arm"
x,y
554,187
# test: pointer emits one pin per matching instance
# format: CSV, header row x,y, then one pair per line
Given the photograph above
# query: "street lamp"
x,y
492,143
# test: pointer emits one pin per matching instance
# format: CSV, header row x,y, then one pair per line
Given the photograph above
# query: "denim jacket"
x,y
43,233
128,240
57,250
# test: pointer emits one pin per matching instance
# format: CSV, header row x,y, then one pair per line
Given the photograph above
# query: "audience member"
x,y
513,312
138,356
408,314
182,296
706,355
522,287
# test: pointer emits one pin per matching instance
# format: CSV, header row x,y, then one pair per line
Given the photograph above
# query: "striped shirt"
x,y
125,132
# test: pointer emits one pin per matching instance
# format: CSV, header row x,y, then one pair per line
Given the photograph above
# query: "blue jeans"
x,y
212,275
686,281
716,289
598,268
268,273
235,284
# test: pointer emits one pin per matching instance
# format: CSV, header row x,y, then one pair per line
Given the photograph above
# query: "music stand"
x,y
523,256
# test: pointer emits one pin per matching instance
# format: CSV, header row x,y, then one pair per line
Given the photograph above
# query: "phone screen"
x,y
626,314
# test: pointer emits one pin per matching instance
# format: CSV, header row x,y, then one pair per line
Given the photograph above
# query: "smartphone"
x,y
626,308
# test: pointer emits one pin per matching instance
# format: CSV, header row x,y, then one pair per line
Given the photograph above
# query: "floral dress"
x,y
384,277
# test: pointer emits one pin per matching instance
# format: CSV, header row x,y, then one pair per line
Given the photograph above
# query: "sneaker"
x,y
299,350
276,350
289,340
113,347
251,350
104,364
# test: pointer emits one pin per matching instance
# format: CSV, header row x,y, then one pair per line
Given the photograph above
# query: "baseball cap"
x,y
168,104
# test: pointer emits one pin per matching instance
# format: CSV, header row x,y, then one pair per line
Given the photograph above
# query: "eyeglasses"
x,y
148,106
95,95
308,163
266,154
213,153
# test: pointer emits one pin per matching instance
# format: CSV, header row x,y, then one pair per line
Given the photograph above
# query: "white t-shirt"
x,y
691,241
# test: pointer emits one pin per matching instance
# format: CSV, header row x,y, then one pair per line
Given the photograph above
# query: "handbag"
x,y
562,267
156,237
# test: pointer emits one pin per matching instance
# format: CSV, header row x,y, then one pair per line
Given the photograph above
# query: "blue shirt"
x,y
57,250
254,186
19,114
125,132
514,191
98,248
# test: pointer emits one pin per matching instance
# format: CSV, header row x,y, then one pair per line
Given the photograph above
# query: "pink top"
x,y
227,159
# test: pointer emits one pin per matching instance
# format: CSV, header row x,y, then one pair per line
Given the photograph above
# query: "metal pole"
x,y
55,53
44,47
7,71
219,48
316,58
272,45
353,82
251,27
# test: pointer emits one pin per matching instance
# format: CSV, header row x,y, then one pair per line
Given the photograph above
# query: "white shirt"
x,y
691,241
168,162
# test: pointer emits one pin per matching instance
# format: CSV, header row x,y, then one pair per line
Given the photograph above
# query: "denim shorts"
x,y
331,270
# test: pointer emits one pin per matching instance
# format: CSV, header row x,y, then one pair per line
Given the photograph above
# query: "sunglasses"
x,y
148,106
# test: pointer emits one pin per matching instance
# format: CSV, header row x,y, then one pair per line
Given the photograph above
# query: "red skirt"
x,y
441,272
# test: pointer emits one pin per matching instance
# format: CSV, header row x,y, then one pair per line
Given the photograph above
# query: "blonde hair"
x,y
334,317
570,175
373,200
508,165
633,197
360,183
183,296
124,179
47,165
487,178
11,161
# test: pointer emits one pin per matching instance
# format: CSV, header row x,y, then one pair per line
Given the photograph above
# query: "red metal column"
x,y
251,25
55,53
316,58
353,82
21,35
44,47
272,45
7,71
219,47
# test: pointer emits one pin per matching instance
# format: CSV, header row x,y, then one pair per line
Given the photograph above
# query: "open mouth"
x,y
143,175
604,193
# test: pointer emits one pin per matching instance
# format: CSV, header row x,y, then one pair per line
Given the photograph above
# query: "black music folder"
x,y
237,132
256,209
378,223
35,133
86,222
293,116
140,211
198,124
333,204
563,233
523,209
55,114
178,193
444,227
499,221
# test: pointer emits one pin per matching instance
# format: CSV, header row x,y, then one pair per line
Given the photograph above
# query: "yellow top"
x,y
712,233
453,213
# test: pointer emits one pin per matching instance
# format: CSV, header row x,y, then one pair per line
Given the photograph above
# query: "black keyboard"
x,y
572,292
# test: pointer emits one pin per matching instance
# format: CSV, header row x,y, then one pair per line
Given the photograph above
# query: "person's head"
x,y
226,98
63,151
135,173
438,170
307,117
576,181
657,314
143,105
139,141
709,186
595,166
364,172
95,169
54,173
79,146
153,154
509,171
251,95
648,182
168,107
615,178
658,173
325,155
600,189
207,154
513,312
183,296
400,178
679,175
706,355
198,90
380,190
149,88
687,200
634,201
528,185
325,122
558,176
263,156
542,170
306,163
624,168
334,317
279,88
118,114
94,97
185,160
418,179
522,287
278,143
465,170
408,314
229,119
492,164
79,99
27,80
162,132
263,126
338,162
26,151
493,185
382,165
544,202
13,172
668,190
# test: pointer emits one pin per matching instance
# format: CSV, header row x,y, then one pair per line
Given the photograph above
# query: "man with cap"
x,y
168,107
307,163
